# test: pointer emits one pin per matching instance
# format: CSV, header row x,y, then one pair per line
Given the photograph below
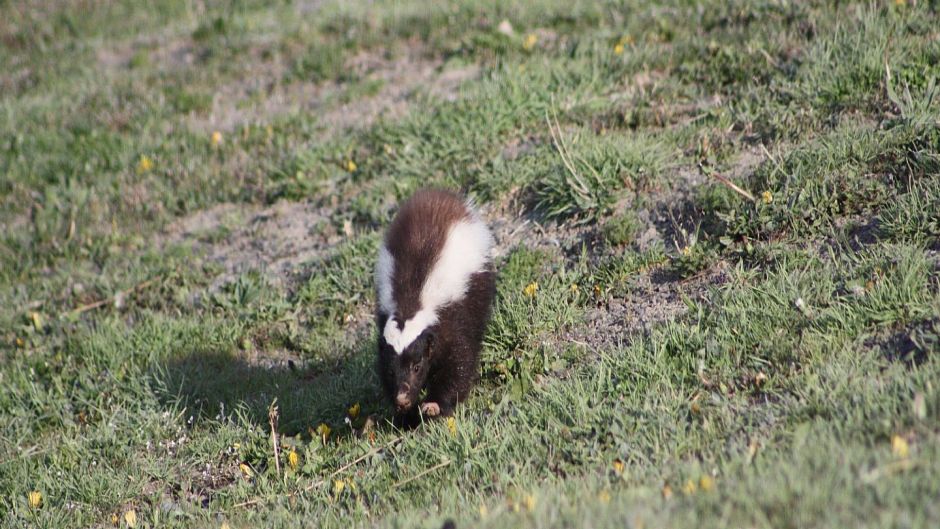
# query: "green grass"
x,y
689,358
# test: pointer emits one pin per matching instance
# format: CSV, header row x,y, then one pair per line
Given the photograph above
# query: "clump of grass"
x,y
691,259
612,275
324,60
534,299
337,287
595,172
621,229
915,216
185,100
852,170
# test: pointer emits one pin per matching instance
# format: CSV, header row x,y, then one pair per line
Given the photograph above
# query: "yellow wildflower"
x,y
338,487
531,289
20,342
618,48
452,425
246,470
353,411
760,379
706,483
573,288
529,502
350,165
689,487
323,431
130,518
687,251
114,519
899,446
293,459
145,165
604,496
225,525
37,320
35,499
216,138
767,197
529,41
483,510
667,492
618,466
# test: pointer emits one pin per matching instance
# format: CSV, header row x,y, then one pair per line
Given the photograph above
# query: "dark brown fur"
x,y
415,239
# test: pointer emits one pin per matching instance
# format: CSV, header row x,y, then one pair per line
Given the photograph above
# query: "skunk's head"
x,y
408,369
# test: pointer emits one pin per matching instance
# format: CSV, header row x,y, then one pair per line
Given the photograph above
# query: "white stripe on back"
x,y
466,252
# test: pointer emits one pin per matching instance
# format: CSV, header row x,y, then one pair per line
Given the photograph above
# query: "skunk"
x,y
435,286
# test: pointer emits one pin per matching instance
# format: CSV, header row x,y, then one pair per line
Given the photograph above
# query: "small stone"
x,y
505,28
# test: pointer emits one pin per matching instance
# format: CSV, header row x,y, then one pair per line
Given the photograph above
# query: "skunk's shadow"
x,y
226,386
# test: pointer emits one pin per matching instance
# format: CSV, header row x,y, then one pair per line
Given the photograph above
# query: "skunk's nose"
x,y
402,400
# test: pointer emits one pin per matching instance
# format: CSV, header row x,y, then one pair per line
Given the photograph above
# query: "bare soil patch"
x,y
401,77
261,92
651,298
275,240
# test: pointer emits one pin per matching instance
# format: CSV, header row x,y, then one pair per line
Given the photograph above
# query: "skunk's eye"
x,y
415,368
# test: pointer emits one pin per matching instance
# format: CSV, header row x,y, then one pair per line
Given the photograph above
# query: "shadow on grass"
x,y
225,385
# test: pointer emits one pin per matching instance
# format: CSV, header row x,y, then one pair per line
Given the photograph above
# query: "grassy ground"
x,y
191,196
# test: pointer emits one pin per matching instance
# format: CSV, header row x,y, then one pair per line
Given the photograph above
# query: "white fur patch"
x,y
466,252
384,268
400,339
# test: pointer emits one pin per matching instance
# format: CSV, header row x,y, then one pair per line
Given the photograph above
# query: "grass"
x,y
663,351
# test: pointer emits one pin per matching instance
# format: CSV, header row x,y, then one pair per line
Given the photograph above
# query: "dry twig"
x,y
728,183
442,464
102,302
272,420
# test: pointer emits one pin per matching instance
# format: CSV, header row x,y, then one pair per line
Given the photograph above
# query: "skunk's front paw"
x,y
431,409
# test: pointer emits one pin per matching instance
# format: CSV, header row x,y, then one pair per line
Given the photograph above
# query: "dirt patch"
x,y
673,216
276,240
448,81
510,232
653,297
16,223
650,299
911,346
261,91
165,51
400,80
